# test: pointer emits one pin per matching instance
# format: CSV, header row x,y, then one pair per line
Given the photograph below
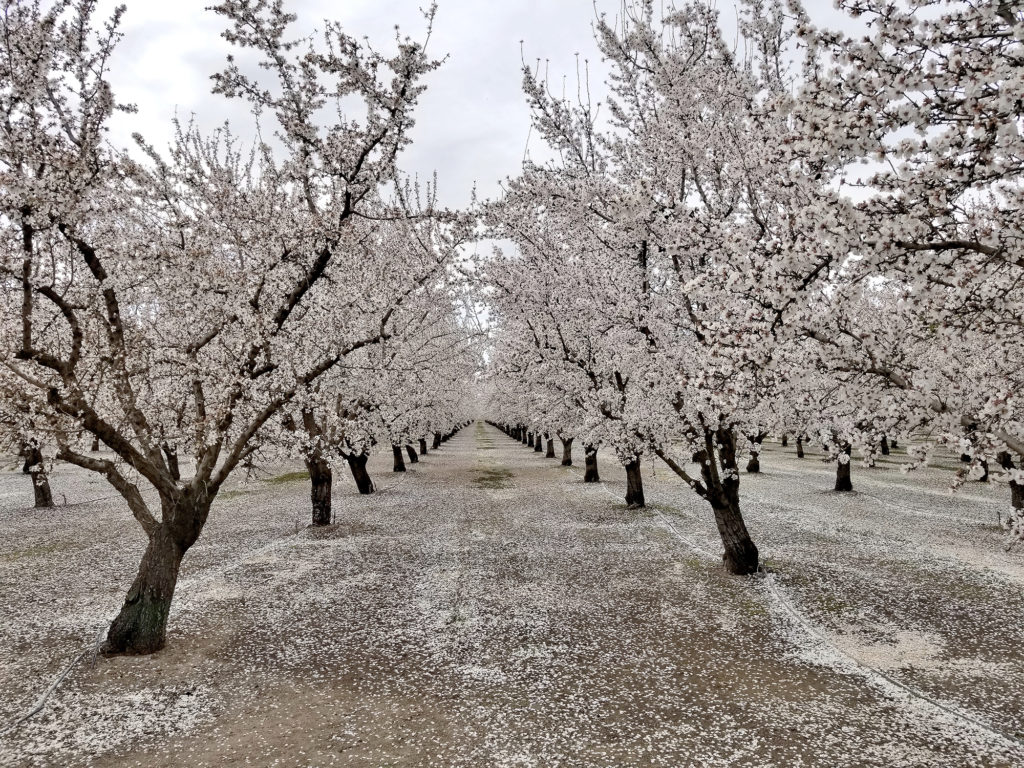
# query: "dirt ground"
x,y
490,609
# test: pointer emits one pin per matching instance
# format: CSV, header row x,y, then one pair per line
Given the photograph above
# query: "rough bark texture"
x,y
320,481
357,463
396,450
423,446
843,481
33,467
141,626
171,455
413,458
566,452
634,485
740,555
590,474
551,449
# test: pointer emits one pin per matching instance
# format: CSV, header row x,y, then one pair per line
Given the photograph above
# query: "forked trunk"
x,y
423,446
171,455
320,479
413,458
590,474
843,481
357,463
396,450
437,441
634,485
566,452
799,447
551,449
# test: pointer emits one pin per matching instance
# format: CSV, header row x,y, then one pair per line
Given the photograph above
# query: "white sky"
x,y
472,124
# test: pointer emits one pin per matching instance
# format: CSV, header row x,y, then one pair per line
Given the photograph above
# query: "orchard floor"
x,y
490,609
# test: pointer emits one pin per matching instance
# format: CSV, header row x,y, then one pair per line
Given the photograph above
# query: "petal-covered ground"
x,y
490,609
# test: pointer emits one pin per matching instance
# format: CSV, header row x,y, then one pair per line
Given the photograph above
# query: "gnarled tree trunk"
x,y
566,451
320,481
634,485
141,626
357,463
590,474
396,450
843,481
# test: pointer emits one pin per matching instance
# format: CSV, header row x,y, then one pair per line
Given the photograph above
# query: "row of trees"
x,y
727,252
199,310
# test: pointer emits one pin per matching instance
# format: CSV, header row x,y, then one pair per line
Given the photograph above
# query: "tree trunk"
x,y
320,479
1017,497
843,482
785,441
357,463
590,474
884,445
740,554
423,446
141,626
551,449
566,452
894,445
634,485
437,441
538,444
34,468
171,455
413,458
529,439
399,461
95,444
799,447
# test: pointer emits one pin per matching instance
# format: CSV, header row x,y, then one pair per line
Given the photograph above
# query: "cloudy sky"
x,y
473,124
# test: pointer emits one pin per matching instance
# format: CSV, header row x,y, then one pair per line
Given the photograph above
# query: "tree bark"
x,y
894,444
320,479
590,474
799,447
529,439
785,440
740,555
423,446
33,467
538,445
396,450
95,444
141,626
634,485
437,441
551,449
413,458
357,463
883,445
566,452
843,481
171,455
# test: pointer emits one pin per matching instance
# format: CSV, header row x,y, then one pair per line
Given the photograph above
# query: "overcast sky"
x,y
472,124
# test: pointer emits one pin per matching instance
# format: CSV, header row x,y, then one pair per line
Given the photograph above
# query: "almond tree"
x,y
921,117
197,287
